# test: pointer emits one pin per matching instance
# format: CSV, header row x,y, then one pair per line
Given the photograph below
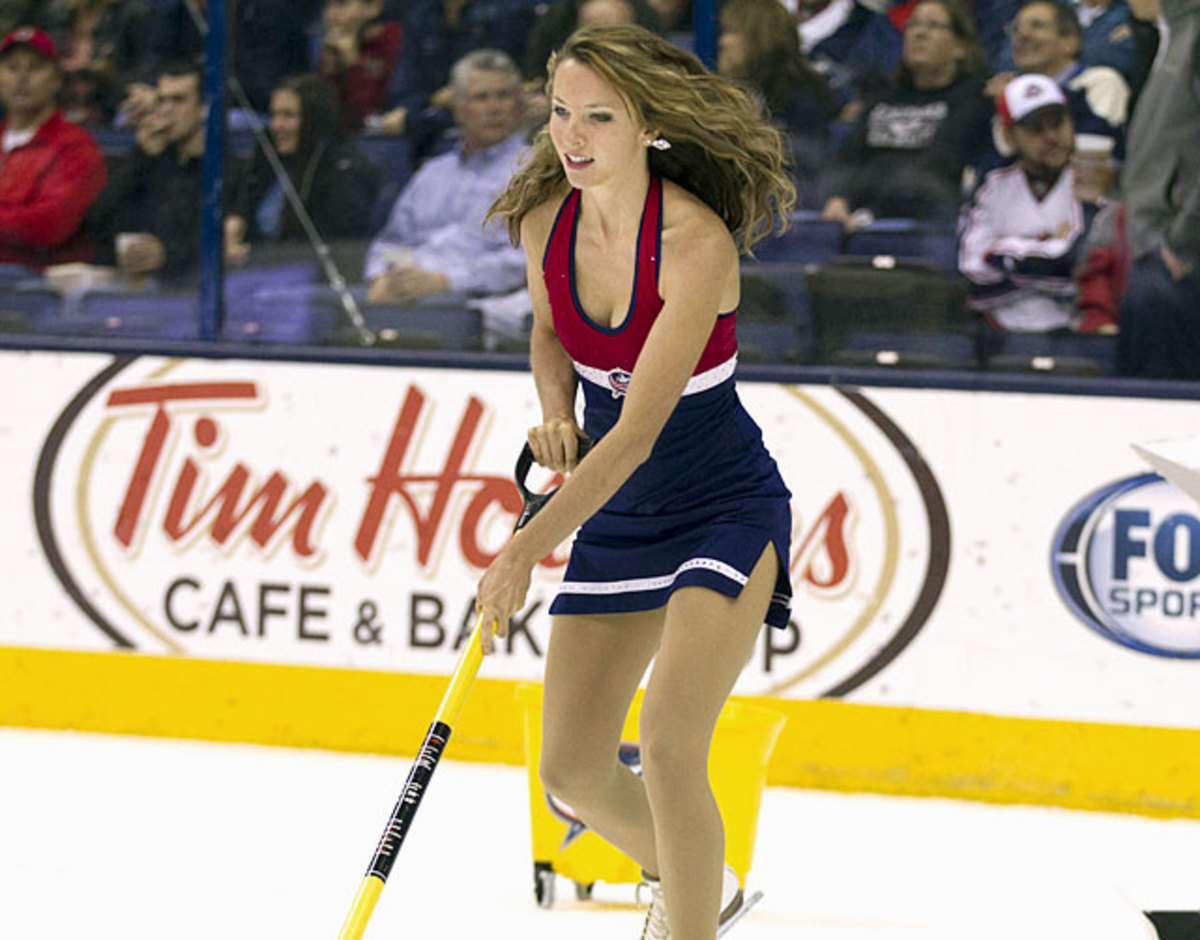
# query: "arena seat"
x,y
14,275
242,284
766,341
896,313
138,315
1058,353
289,314
34,305
774,320
908,239
809,240
426,326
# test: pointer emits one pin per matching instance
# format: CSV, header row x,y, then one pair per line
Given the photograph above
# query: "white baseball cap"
x,y
1026,94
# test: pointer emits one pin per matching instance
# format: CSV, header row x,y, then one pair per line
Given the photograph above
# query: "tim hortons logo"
x,y
275,509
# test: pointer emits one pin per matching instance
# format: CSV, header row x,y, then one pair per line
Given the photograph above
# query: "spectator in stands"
x,y
1160,330
50,170
1046,40
855,47
336,184
759,50
906,154
434,241
148,218
1022,231
101,40
606,13
437,33
675,17
359,55
559,19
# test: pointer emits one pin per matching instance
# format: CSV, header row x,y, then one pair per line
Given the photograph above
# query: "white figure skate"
x,y
734,905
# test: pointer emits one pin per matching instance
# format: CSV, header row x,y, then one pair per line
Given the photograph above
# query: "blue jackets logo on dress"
x,y
618,381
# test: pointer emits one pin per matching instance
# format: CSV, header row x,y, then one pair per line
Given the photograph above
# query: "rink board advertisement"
x,y
991,553
341,516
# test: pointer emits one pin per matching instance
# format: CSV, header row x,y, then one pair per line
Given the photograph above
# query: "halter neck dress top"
x,y
709,499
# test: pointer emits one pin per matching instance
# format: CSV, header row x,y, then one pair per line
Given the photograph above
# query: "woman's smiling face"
x,y
594,133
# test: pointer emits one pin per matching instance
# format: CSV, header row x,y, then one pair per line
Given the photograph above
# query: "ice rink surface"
x,y
111,837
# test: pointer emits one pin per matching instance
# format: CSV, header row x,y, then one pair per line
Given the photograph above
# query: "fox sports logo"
x,y
1126,560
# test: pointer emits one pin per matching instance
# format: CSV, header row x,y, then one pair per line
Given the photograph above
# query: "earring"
x,y
659,143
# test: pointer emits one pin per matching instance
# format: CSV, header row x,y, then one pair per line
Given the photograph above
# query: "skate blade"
x,y
748,902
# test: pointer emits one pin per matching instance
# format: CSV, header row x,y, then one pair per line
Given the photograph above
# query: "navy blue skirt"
x,y
698,513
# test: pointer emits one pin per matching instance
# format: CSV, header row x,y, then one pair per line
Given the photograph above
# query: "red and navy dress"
x,y
709,499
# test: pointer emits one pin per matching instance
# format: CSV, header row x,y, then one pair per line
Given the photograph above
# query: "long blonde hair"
x,y
722,149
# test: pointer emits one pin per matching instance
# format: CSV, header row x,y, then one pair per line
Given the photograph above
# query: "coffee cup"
x,y
1094,173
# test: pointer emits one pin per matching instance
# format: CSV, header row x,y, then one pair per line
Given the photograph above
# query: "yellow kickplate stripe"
x,y
291,706
825,744
1105,767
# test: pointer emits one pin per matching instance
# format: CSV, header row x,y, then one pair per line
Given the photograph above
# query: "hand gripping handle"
x,y
533,502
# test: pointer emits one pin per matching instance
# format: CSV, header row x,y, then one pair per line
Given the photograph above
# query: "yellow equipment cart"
x,y
562,845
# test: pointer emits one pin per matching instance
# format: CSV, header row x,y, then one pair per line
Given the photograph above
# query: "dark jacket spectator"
x,y
906,154
147,220
50,171
336,184
359,55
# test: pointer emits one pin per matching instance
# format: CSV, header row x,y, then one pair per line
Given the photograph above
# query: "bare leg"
x,y
707,640
593,667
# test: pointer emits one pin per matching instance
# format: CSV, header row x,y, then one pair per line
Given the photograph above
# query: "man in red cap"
x,y
50,170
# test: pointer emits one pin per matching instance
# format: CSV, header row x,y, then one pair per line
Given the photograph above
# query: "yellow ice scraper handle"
x,y
436,737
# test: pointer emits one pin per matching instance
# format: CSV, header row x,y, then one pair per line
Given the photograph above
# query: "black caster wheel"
x,y
543,884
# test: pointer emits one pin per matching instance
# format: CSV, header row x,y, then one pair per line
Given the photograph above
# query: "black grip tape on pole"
x,y
410,799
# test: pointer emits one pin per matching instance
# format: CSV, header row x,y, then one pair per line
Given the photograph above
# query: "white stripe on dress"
x,y
710,378
637,585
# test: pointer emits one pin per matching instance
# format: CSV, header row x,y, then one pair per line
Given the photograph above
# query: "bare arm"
x,y
692,284
555,441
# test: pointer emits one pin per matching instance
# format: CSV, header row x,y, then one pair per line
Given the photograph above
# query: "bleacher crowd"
x,y
984,183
